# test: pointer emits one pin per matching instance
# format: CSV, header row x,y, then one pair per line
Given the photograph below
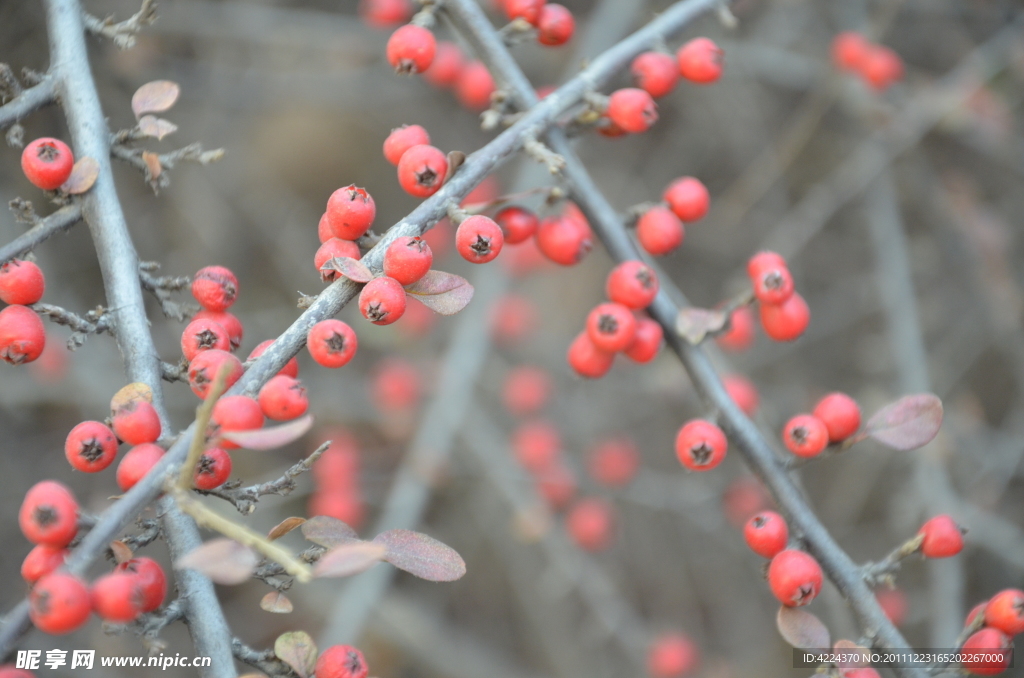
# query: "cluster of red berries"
x,y
835,418
794,576
877,65
537,446
614,327
60,602
660,229
22,334
1002,617
554,23
336,479
47,163
784,313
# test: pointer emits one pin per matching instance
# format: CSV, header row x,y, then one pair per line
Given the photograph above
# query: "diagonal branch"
x,y
28,101
61,220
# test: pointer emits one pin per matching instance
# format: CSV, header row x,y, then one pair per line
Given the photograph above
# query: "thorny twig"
x,y
154,166
122,33
161,288
96,321
245,498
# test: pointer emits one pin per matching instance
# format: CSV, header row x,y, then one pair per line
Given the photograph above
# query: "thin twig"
x,y
28,101
264,660
61,220
122,33
244,498
96,321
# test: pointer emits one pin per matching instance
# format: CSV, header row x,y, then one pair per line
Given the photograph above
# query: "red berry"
x,y
323,228
586,359
794,577
555,25
1005,611
234,413
151,579
688,198
202,335
881,67
411,49
894,604
517,224
205,367
612,327
788,320
475,86
557,485
331,248
396,385
700,61
91,446
382,301
350,212
59,603
346,506
655,72
700,445
646,341
341,661
632,109
49,514
283,398
528,10
47,163
659,230
743,393
849,49
805,435
212,469
136,422
215,288
591,523
421,170
407,259
672,655
41,561
740,335
337,469
444,69
564,241
632,284
332,343
385,13
766,534
537,445
764,259
402,139
978,609
772,282
117,597
614,462
987,652
290,369
22,335
526,390
231,324
136,463
841,415
479,239
743,498
942,537
513,317
21,282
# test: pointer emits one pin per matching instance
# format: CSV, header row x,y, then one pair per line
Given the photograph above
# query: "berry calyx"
x,y
766,534
205,367
341,661
59,603
201,335
805,435
117,597
479,239
655,72
41,561
517,224
332,343
136,463
942,537
659,230
283,398
700,445
382,301
407,259
591,523
215,288
151,580
647,341
136,422
422,170
234,413
564,241
350,212
22,335
330,249
231,324
21,282
1005,611
794,577
91,446
47,163
770,277
612,327
402,139
841,415
586,359
290,369
688,197
212,470
632,284
700,61
49,514
786,321
411,49
555,25
632,109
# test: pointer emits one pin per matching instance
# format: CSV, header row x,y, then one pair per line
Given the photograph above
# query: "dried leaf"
x,y
297,650
851,649
130,394
455,161
444,293
423,556
83,176
272,437
328,532
154,97
694,324
122,554
801,629
153,165
224,561
353,269
908,423
158,128
276,602
349,559
284,527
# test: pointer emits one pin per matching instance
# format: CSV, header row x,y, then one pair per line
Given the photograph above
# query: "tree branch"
x,y
28,101
61,220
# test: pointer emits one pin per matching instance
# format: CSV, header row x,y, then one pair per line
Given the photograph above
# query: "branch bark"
x,y
61,220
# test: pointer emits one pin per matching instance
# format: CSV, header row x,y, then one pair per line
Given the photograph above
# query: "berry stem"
x,y
885,569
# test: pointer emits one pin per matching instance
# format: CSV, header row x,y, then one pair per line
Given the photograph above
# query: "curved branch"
x,y
28,101
61,220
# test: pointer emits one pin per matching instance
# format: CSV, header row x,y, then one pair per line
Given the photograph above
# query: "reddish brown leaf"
x,y
83,176
349,559
694,324
284,527
122,554
155,97
423,556
158,128
224,561
443,293
272,437
130,394
276,602
328,532
801,629
455,160
851,649
908,423
297,650
353,269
